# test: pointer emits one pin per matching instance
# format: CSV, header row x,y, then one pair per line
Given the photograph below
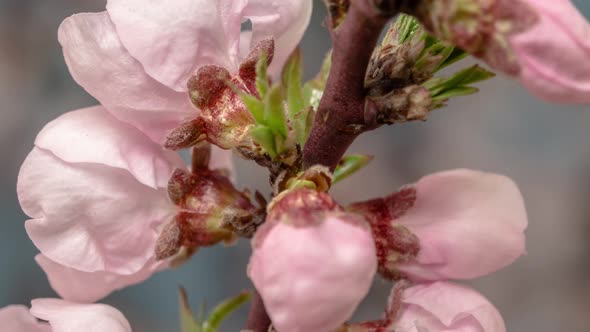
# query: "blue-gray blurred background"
x,y
544,148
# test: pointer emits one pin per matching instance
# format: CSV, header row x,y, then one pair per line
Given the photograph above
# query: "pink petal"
x,y
284,20
447,307
16,318
88,287
101,64
173,38
92,211
469,224
311,278
64,316
553,52
92,136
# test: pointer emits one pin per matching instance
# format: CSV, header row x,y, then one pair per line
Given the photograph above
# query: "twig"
x,y
341,117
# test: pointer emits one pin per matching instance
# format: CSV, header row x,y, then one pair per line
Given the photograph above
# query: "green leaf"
x,y
262,76
349,165
456,92
274,112
224,309
456,55
295,101
255,106
458,84
187,320
470,75
406,27
264,136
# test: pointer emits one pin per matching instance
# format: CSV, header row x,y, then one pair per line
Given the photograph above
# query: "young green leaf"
x,y
262,76
224,309
187,320
264,136
457,84
274,112
295,102
406,27
349,165
255,106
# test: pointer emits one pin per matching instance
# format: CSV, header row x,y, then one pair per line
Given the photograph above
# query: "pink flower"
x,y
87,287
16,318
64,316
446,307
434,307
137,57
458,224
552,52
312,267
544,44
97,191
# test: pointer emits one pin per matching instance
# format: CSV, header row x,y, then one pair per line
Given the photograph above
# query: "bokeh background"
x,y
544,148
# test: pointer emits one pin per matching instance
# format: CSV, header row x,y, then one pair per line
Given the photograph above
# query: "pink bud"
x,y
312,272
446,307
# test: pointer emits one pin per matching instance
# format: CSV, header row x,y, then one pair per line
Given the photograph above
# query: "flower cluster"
x,y
111,202
314,260
109,205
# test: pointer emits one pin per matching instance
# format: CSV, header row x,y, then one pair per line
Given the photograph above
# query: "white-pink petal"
x,y
446,307
92,136
87,287
284,20
93,212
100,63
17,318
553,52
311,278
64,316
468,223
173,38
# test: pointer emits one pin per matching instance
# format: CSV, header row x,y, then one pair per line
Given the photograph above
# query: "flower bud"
x,y
224,120
312,264
458,224
211,210
542,43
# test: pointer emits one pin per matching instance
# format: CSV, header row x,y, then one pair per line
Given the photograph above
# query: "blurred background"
x,y
544,148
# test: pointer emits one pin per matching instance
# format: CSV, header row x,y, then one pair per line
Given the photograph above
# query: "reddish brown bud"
x,y
247,73
224,117
188,134
211,211
168,243
208,85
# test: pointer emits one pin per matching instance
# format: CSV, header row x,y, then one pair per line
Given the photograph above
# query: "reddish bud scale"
x,y
299,207
394,243
224,120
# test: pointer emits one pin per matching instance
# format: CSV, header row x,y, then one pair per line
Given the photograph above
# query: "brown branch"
x,y
258,320
341,114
